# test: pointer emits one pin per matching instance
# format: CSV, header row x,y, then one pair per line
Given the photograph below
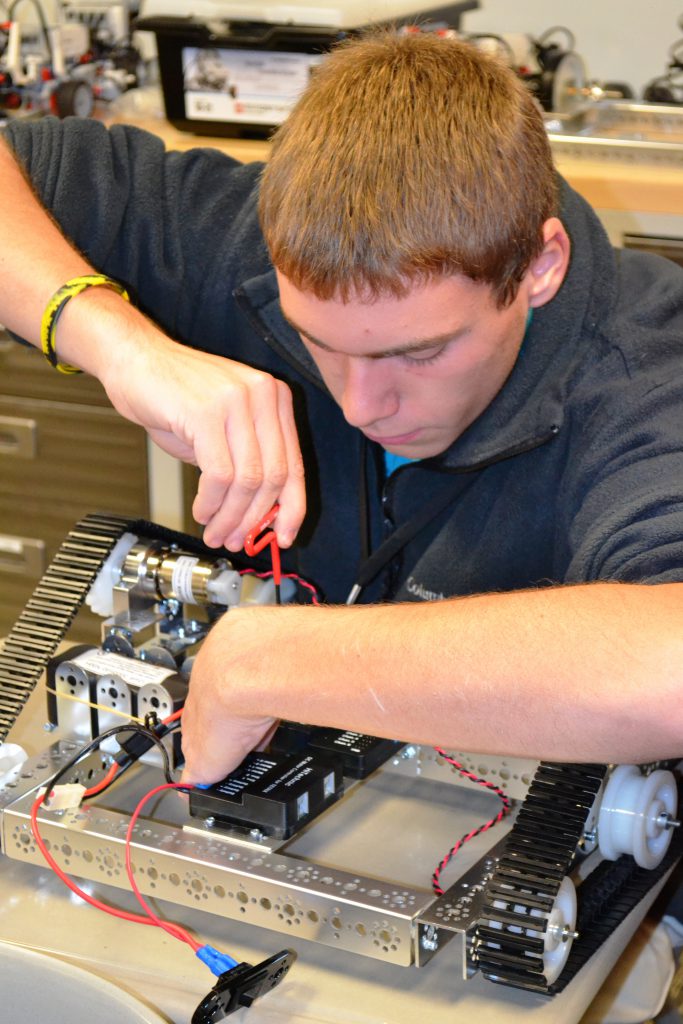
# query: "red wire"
x,y
111,774
260,537
103,783
172,929
137,918
286,576
175,930
150,919
505,809
172,718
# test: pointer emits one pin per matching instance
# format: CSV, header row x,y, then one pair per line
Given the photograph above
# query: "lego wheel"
x,y
73,97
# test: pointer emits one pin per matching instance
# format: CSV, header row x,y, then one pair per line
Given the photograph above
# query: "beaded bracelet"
x,y
54,308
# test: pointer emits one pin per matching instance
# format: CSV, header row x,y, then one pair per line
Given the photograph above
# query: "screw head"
x,y
429,939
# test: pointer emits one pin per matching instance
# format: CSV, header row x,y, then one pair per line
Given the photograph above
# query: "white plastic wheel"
x,y
634,814
100,598
560,931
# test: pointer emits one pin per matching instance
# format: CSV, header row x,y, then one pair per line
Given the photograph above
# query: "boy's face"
x,y
411,373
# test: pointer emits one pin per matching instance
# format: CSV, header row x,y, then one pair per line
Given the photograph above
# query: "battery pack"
x,y
275,794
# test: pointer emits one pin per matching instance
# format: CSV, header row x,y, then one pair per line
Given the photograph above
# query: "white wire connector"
x,y
64,797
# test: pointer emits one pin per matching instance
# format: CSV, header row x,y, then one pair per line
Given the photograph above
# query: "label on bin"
x,y
244,86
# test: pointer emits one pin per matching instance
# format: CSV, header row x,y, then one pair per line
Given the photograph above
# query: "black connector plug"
x,y
241,986
140,741
133,748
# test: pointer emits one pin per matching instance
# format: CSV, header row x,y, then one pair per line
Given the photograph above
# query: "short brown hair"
x,y
408,157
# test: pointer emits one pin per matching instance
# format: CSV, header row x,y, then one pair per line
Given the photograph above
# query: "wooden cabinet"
x,y
64,451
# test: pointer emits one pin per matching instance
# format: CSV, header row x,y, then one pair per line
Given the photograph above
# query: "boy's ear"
x,y
547,271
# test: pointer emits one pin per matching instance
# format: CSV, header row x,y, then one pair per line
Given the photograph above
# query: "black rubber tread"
x,y
538,854
51,609
605,898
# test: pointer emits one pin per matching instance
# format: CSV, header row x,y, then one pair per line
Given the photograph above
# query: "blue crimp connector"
x,y
240,987
217,962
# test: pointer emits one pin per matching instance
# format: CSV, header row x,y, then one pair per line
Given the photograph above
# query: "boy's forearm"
x,y
35,257
586,673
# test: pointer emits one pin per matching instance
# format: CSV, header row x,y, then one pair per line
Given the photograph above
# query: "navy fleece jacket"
x,y
574,472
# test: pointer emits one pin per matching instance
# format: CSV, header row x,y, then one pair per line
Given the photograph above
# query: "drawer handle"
x,y
18,437
24,556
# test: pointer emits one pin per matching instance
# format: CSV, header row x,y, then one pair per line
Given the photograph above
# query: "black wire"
x,y
94,744
363,502
43,24
566,32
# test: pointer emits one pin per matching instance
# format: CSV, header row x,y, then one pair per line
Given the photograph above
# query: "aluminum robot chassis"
x,y
512,909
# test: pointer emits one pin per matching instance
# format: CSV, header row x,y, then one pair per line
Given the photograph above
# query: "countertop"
x,y
648,187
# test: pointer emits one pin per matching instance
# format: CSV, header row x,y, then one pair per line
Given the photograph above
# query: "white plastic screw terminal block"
x,y
65,797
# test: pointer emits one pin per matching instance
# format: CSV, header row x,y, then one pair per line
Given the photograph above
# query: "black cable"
x,y
566,32
363,501
95,743
404,533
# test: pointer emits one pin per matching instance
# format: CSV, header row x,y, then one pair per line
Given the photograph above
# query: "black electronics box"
x,y
235,77
274,794
360,754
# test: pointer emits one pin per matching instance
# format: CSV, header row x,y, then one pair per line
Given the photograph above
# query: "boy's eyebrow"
x,y
399,350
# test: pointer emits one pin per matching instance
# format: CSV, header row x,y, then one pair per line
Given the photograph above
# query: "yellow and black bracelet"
x,y
54,308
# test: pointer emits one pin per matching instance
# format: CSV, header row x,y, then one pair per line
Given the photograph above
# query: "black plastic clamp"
x,y
241,986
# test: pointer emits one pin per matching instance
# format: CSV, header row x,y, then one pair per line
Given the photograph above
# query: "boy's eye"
x,y
425,355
